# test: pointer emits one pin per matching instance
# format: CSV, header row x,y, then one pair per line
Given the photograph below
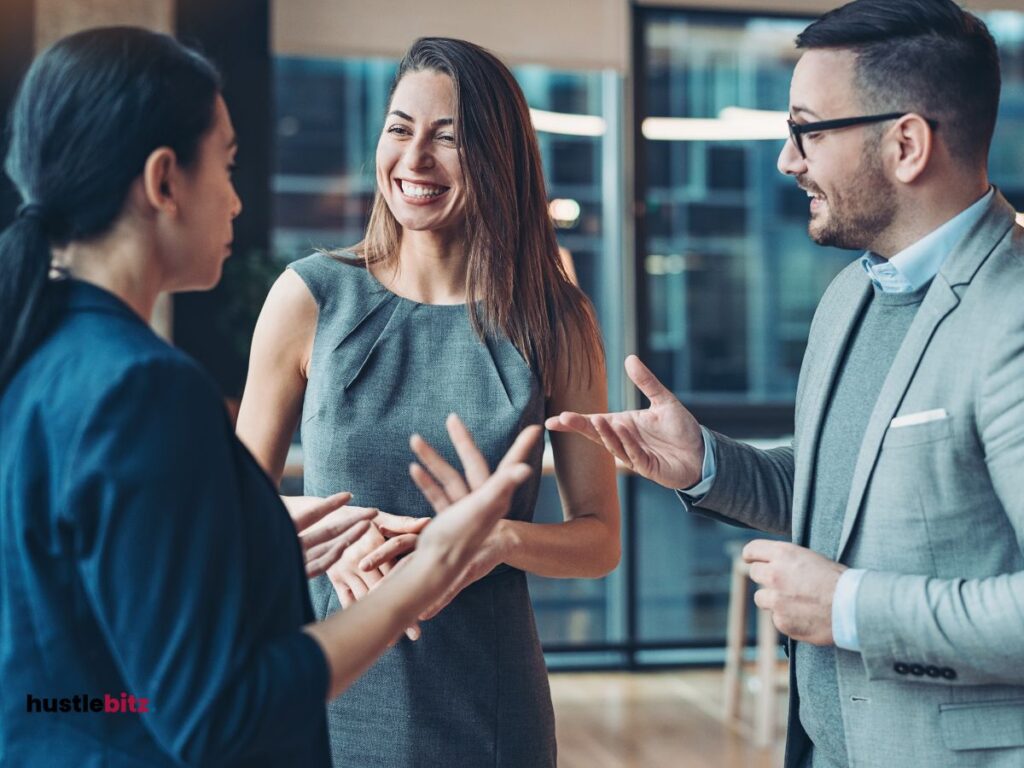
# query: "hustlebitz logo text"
x,y
111,704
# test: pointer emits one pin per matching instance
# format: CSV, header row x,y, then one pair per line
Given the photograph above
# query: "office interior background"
x,y
691,245
659,124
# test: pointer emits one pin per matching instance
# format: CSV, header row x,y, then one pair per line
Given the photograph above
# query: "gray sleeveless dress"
x,y
473,690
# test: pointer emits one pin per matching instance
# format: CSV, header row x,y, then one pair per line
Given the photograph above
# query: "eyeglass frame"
x,y
797,130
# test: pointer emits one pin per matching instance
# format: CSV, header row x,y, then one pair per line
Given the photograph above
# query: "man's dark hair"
x,y
925,56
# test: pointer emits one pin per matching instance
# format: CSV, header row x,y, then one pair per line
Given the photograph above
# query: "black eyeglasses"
x,y
797,130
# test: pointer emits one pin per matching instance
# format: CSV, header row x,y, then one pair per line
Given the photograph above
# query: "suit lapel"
x,y
939,302
842,318
959,269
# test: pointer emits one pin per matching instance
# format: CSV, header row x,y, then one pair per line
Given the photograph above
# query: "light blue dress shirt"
x,y
910,269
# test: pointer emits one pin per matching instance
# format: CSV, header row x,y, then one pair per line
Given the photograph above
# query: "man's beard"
x,y
858,213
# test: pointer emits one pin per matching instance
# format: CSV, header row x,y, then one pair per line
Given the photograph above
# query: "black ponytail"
x,y
24,270
90,111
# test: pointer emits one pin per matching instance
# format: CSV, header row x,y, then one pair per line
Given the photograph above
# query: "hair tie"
x,y
35,211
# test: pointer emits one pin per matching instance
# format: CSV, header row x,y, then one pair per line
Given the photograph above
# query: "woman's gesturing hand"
x,y
353,578
326,527
465,533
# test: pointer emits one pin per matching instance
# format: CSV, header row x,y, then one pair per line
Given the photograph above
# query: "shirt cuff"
x,y
707,472
844,610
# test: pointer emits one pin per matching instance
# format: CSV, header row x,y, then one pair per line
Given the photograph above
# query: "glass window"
x,y
729,279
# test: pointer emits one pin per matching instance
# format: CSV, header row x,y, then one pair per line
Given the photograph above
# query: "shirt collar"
x,y
81,295
914,266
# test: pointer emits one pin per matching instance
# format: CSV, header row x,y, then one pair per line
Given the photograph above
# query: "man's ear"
x,y
915,144
160,178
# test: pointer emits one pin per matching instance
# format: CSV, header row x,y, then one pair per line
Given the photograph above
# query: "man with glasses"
x,y
902,589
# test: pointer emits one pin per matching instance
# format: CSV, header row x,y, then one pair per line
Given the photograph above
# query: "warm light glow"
x,y
1020,219
672,264
566,124
732,124
564,212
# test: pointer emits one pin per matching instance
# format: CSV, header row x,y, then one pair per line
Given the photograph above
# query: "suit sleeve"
x,y
161,543
971,629
752,488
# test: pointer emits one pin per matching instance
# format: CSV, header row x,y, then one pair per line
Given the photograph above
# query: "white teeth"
x,y
420,190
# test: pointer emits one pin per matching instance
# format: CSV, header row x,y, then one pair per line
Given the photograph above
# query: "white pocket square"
x,y
921,417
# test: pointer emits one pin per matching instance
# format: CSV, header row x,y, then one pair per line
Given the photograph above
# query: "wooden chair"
x,y
766,672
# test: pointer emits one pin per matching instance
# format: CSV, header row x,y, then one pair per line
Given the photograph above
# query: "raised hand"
x,y
662,443
469,508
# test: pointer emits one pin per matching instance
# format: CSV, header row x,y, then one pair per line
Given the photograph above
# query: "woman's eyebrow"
x,y
435,124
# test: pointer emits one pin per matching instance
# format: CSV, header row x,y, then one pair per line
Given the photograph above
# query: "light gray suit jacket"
x,y
936,512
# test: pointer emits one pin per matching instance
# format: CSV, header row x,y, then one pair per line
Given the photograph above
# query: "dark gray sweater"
x,y
868,357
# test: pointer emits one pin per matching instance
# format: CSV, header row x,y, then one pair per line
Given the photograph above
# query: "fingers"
x,y
322,556
609,438
441,484
491,500
345,572
361,583
647,382
473,462
336,524
390,550
358,587
439,606
393,525
429,487
635,452
522,447
570,421
304,518
763,550
457,532
345,596
412,632
760,573
450,480
765,598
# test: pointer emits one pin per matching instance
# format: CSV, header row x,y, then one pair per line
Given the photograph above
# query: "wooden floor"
x,y
651,720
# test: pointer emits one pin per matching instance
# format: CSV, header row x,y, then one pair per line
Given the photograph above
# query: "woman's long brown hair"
x,y
514,268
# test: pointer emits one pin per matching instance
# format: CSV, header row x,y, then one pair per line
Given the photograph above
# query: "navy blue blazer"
x,y
146,564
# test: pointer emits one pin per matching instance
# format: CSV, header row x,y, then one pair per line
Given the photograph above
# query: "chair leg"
x,y
735,632
767,659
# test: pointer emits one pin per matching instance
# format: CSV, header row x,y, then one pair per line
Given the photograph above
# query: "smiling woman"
x,y
456,300
419,166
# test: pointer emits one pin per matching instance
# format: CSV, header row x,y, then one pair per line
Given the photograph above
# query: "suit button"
x,y
932,671
901,668
916,670
948,674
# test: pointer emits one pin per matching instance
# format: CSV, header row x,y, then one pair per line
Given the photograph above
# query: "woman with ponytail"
x,y
153,601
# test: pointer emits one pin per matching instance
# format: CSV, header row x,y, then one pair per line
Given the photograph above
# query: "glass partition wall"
x,y
723,277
